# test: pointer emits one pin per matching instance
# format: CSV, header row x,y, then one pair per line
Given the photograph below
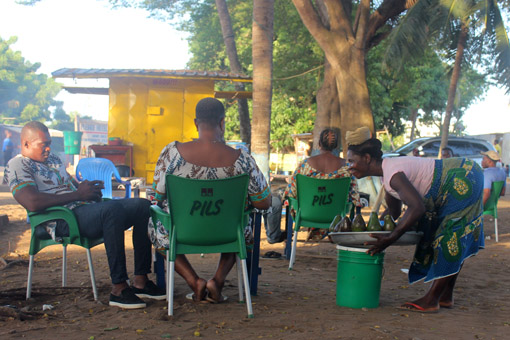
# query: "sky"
x,y
89,34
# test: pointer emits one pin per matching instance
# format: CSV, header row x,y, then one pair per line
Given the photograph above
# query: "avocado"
x,y
389,223
358,224
334,223
373,222
345,224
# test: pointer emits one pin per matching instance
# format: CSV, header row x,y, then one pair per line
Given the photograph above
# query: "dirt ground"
x,y
297,304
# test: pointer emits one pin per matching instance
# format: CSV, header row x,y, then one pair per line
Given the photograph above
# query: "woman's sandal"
x,y
272,255
191,296
211,300
413,307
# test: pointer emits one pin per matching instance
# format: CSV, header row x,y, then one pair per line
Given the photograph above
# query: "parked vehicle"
x,y
468,147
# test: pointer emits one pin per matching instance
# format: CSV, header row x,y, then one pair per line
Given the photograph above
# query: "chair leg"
x,y
64,266
92,275
29,280
168,275
496,228
239,278
171,277
293,250
247,289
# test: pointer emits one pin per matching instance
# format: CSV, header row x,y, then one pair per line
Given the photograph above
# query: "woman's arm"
x,y
394,206
415,209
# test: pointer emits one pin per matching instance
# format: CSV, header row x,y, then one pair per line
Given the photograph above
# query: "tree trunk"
x,y
414,117
344,48
353,94
454,80
262,45
328,106
235,66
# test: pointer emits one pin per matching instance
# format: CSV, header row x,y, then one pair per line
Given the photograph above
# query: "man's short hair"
x,y
210,111
34,126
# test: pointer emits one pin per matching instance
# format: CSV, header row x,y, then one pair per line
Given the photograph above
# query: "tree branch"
x,y
388,10
339,20
361,29
311,20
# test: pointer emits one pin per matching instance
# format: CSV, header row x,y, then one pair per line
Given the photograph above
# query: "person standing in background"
x,y
497,146
7,147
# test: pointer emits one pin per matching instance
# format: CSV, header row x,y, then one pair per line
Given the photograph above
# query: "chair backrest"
x,y
99,169
206,213
320,200
492,202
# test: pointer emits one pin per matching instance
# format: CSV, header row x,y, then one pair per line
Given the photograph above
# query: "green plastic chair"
x,y
491,206
206,216
318,202
40,239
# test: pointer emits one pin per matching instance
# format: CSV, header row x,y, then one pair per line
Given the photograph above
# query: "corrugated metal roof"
x,y
143,73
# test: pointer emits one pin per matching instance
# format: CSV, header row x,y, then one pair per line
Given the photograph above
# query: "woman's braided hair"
x,y
328,139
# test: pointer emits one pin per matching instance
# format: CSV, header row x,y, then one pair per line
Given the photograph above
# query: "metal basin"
x,y
357,239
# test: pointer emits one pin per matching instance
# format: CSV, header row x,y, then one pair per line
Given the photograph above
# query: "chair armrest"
x,y
56,213
158,214
127,185
293,202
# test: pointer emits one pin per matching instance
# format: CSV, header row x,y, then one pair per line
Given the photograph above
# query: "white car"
x,y
467,147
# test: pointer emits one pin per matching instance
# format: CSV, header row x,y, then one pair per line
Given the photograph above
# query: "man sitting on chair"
x,y
38,180
491,173
207,157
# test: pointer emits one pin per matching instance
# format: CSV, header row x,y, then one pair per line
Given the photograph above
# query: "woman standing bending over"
x,y
444,196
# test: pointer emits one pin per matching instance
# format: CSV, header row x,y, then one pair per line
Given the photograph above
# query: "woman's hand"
x,y
382,242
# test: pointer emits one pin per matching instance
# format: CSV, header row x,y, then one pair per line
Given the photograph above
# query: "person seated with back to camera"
x,y
38,180
207,157
325,165
491,173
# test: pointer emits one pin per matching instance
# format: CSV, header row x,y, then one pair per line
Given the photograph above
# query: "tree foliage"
x,y
437,23
418,79
293,61
24,94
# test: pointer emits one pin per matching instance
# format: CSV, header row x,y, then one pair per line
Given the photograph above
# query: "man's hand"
x,y
90,190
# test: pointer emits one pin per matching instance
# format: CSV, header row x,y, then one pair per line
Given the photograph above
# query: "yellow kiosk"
x,y
150,108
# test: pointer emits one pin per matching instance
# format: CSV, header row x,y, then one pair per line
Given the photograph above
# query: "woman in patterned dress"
x,y
443,196
207,157
325,165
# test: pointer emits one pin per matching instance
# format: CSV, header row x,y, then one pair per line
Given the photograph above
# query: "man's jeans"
x,y
272,220
109,219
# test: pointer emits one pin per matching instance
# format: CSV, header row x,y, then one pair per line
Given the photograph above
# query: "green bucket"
x,y
358,278
72,142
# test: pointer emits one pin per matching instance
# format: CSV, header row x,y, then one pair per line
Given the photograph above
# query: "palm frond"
x,y
409,38
502,48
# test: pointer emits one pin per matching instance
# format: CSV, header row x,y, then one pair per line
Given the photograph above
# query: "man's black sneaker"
x,y
150,291
127,300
